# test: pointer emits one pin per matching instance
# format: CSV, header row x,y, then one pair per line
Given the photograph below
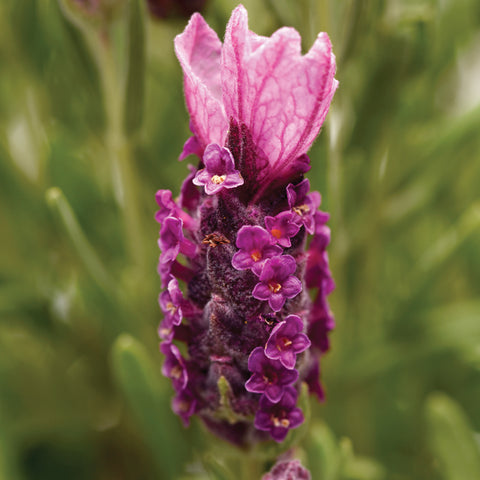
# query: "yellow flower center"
x,y
283,344
301,210
277,422
218,179
277,233
274,287
256,255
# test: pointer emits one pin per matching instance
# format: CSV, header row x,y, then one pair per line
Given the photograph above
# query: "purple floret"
x,y
174,366
279,418
219,171
286,341
255,246
282,227
277,282
303,204
269,376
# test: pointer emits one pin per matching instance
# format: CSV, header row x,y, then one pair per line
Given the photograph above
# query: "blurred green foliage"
x,y
92,120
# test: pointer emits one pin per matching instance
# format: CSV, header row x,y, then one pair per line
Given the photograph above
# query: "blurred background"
x,y
92,120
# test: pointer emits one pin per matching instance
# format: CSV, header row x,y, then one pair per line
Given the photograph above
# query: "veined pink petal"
x,y
281,96
198,49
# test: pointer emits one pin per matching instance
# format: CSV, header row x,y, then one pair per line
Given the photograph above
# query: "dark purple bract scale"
x,y
240,332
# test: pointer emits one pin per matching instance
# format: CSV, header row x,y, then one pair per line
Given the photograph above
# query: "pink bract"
x,y
264,83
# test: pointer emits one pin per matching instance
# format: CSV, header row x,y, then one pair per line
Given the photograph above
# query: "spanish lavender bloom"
x,y
235,240
288,470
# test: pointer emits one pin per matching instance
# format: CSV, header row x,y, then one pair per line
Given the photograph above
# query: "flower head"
x,y
266,84
234,259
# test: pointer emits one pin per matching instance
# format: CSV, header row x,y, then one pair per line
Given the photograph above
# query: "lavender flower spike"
x,y
234,257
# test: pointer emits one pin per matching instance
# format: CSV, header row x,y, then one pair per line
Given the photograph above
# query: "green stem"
x,y
119,150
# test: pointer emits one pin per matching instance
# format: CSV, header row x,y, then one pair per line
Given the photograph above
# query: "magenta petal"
x,y
274,393
198,49
296,418
191,147
255,384
276,301
300,343
242,260
281,96
288,359
292,286
261,292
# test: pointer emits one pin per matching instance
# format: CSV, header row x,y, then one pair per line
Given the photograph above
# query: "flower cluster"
x,y
240,331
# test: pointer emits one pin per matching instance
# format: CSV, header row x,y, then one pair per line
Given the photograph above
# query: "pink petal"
x,y
280,95
198,50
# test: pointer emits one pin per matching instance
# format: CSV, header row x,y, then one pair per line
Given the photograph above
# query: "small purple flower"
x,y
219,171
303,204
288,470
277,282
191,147
279,418
170,302
168,207
269,376
184,405
312,379
189,194
286,340
174,366
282,227
172,242
255,247
317,273
321,321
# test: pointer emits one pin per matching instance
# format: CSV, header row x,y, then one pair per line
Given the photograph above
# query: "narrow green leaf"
x,y
139,381
61,208
135,80
451,438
